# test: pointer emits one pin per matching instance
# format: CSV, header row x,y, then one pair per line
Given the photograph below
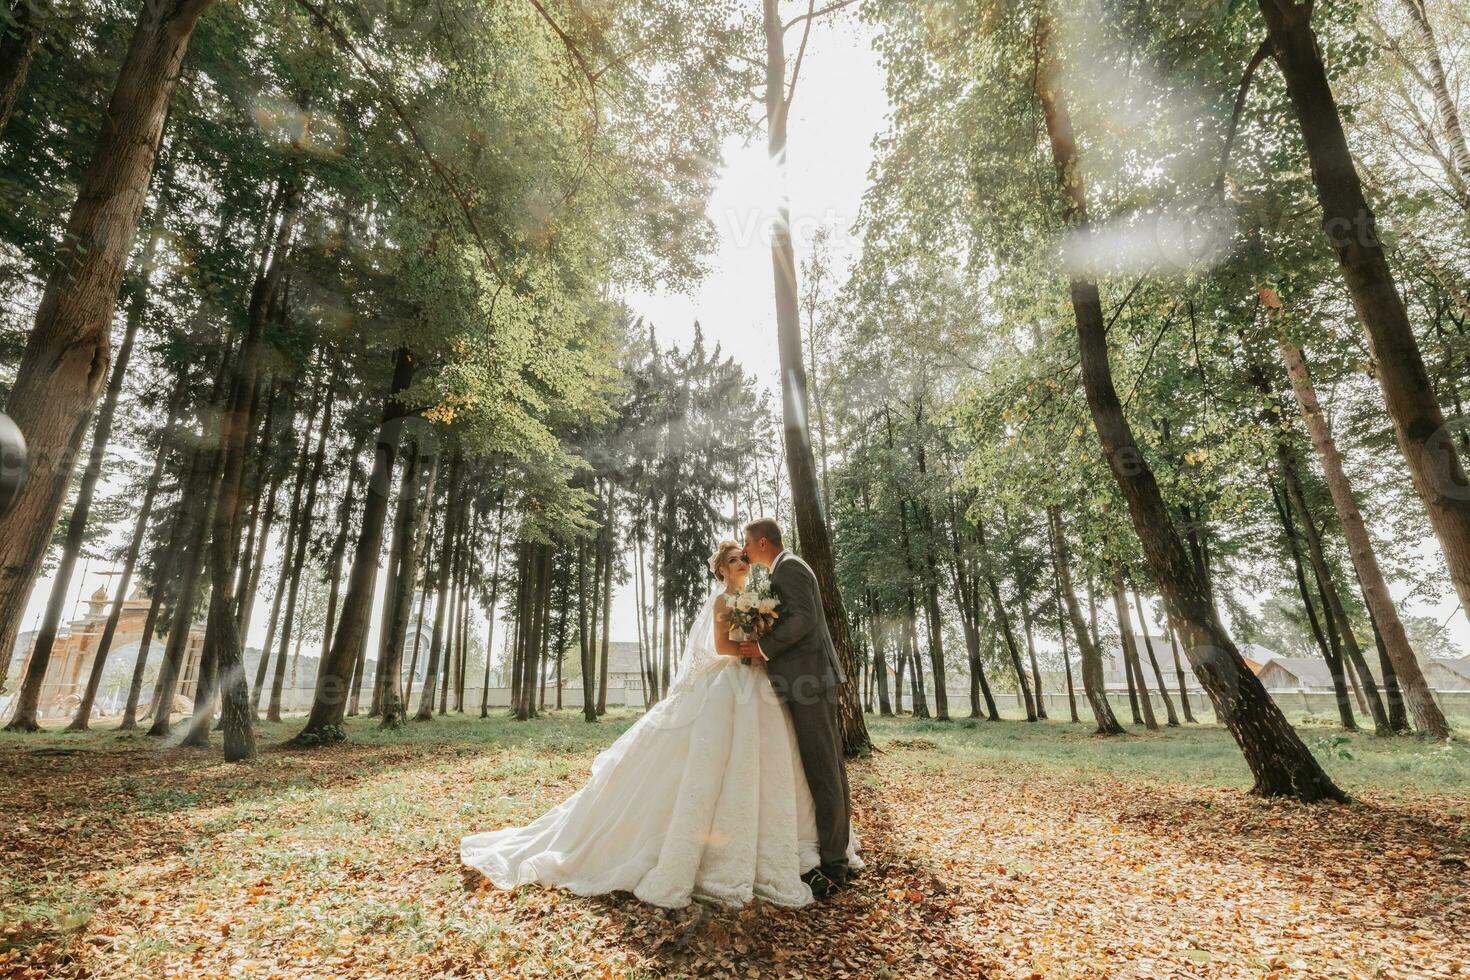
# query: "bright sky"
x,y
840,106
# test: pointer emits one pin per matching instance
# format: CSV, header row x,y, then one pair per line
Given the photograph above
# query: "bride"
x,y
704,797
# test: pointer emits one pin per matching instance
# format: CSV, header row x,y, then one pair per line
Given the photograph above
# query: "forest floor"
x,y
994,849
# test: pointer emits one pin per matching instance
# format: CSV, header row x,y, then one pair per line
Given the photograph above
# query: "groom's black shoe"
x,y
828,879
821,884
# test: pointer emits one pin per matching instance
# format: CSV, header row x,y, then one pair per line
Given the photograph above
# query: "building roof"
x,y
1289,673
1115,677
1310,673
1448,675
622,657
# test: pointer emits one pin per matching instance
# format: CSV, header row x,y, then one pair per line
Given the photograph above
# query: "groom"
x,y
804,671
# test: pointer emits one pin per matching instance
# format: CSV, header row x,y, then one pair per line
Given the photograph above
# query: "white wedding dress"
x,y
704,797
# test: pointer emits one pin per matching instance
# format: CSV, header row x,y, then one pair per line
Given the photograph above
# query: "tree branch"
x,y
838,5
1245,84
1168,320
580,62
800,53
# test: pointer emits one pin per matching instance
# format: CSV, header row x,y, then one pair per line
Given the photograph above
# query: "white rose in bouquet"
x,y
751,613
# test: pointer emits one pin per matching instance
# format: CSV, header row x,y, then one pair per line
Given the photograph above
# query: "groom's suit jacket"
x,y
801,660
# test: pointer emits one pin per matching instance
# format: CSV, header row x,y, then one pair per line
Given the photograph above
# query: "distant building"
x,y
1115,677
1310,675
1304,674
623,668
1449,675
75,650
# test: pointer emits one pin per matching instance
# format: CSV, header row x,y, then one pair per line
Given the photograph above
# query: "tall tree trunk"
x,y
1179,671
446,556
916,673
900,664
294,527
546,632
462,631
454,597
667,632
66,357
464,615
130,560
160,585
263,533
811,523
936,643
1028,628
296,561
490,613
880,668
1449,115
418,629
1279,762
257,443
288,549
1129,643
594,616
513,651
1148,646
645,644
607,588
967,600
196,515
395,707
339,546
1427,445
18,45
538,581
523,625
932,620
1338,624
1428,719
397,544
1130,677
135,687
1062,626
163,589
1398,715
24,719
1003,618
1328,650
324,723
584,641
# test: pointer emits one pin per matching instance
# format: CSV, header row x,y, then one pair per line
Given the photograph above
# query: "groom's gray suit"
x,y
804,670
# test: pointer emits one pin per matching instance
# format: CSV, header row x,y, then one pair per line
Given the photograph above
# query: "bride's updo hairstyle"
x,y
722,553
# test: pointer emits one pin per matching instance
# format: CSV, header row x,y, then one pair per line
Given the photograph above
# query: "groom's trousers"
x,y
819,741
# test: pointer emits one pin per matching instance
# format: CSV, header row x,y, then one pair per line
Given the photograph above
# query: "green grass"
x,y
1197,754
1201,754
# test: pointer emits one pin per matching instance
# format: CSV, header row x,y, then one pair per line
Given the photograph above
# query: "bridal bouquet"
x,y
752,612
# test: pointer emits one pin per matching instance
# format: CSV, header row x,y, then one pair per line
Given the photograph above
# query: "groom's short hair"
x,y
765,527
